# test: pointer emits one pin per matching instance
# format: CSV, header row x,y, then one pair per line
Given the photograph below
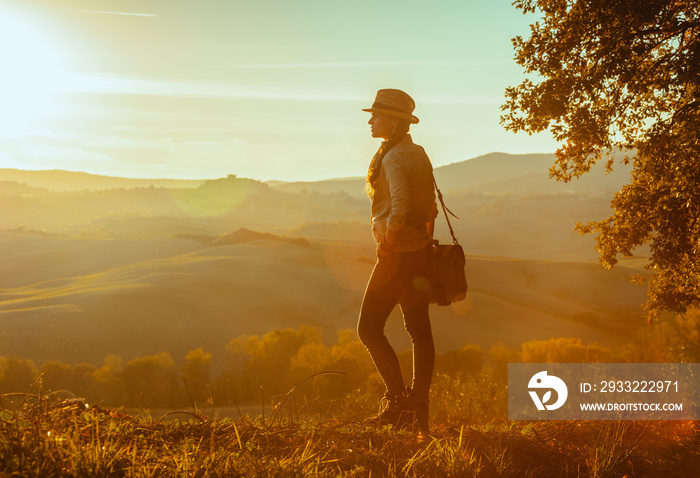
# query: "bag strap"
x,y
445,210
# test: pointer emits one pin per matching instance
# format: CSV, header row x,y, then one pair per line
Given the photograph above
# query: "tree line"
x,y
471,381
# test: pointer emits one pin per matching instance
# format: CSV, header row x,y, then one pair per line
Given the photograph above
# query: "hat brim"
x,y
398,114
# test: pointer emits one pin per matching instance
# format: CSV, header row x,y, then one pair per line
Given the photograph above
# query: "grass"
x,y
45,437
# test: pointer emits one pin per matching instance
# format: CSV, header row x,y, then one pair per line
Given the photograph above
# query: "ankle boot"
x,y
419,406
391,409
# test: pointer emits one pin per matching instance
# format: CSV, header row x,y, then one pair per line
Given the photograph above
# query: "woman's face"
x,y
382,125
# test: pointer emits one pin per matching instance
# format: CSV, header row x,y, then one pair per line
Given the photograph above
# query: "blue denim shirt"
x,y
404,196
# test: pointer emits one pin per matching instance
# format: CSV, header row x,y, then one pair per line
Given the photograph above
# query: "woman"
x,y
400,188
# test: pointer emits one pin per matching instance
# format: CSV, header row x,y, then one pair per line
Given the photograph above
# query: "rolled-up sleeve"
x,y
398,183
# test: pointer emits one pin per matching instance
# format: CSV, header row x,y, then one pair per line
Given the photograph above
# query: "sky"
x,y
264,89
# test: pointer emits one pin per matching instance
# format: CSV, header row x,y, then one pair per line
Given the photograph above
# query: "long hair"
x,y
375,166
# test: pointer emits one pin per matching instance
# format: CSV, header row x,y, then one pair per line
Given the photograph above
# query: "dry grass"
x,y
43,437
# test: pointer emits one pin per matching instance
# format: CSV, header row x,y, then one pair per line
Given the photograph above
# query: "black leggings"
x,y
400,277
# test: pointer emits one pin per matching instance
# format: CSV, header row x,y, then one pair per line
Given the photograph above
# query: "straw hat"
x,y
395,103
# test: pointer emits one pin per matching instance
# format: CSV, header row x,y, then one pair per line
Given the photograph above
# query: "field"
x,y
94,266
203,300
45,438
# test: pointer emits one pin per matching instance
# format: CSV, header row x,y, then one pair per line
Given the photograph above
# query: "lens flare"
x,y
31,69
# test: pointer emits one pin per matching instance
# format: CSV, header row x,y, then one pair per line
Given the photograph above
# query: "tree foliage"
x,y
469,384
623,75
196,374
16,374
151,379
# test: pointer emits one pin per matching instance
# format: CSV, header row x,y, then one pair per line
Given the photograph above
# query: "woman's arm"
x,y
431,228
431,223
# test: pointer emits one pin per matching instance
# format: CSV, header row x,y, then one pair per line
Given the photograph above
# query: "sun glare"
x,y
30,64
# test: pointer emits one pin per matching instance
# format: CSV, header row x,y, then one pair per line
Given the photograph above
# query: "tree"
x,y
110,382
265,361
196,374
84,379
17,375
623,75
57,376
562,350
152,381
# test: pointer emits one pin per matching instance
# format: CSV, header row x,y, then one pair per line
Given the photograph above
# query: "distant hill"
x,y
514,218
491,169
501,173
491,173
496,173
352,186
59,180
96,266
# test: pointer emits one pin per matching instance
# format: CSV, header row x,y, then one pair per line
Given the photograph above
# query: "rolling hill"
x,y
62,181
137,297
494,173
141,270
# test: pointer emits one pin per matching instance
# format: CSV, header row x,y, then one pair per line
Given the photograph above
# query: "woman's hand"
x,y
386,244
384,249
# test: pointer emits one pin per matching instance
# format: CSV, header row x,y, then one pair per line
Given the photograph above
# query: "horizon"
x,y
165,178
198,91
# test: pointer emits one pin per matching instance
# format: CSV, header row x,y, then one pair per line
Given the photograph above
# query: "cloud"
x,y
346,64
70,82
131,85
100,12
469,99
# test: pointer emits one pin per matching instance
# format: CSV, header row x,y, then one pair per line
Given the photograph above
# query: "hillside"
x,y
494,173
62,181
144,270
90,297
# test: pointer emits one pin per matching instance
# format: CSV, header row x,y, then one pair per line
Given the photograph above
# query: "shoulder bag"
x,y
449,281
